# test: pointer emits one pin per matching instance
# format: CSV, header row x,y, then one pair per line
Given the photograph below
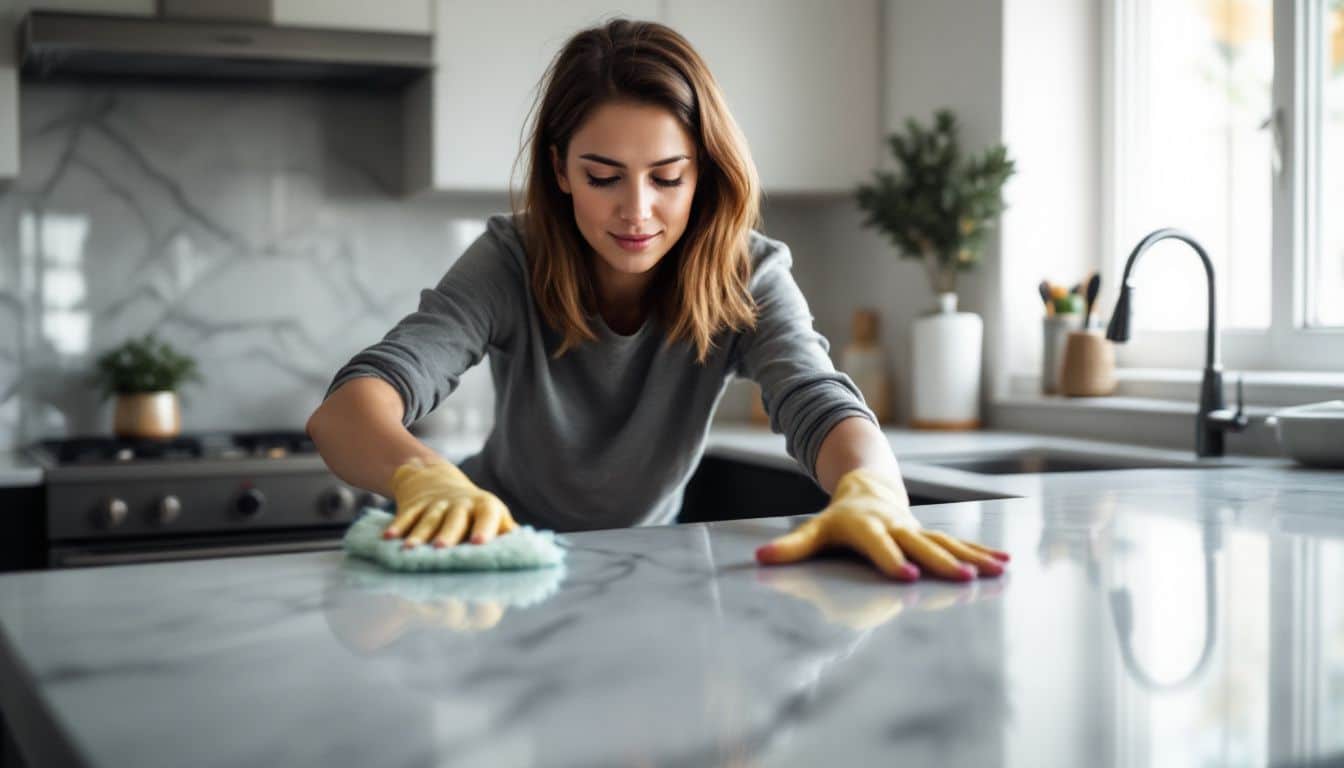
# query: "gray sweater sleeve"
x,y
424,355
803,393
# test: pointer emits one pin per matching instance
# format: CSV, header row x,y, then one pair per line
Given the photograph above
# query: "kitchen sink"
x,y
1032,461
728,489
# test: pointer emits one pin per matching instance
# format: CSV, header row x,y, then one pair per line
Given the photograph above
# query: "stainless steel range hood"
x,y
54,45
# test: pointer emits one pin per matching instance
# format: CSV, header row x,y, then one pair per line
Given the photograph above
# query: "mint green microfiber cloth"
x,y
513,589
523,547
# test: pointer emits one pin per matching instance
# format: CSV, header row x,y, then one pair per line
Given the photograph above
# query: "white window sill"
x,y
1263,389
1158,406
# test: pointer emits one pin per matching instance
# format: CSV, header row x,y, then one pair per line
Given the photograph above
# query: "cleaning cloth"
x,y
523,547
511,589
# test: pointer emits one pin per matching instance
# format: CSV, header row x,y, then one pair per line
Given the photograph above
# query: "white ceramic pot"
x,y
945,368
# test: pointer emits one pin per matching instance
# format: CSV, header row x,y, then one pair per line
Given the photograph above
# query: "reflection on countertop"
x,y
1103,645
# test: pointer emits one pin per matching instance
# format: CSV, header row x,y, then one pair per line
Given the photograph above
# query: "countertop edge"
x,y
28,718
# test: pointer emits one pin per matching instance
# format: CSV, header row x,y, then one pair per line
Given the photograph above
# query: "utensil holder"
x,y
1055,330
1088,368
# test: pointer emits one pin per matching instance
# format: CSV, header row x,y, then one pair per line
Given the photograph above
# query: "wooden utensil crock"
x,y
1088,369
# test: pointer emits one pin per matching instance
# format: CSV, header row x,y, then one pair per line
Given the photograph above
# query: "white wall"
x,y
943,54
1023,72
1052,71
9,96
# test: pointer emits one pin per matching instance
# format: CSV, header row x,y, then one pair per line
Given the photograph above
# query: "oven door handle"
x,y
76,557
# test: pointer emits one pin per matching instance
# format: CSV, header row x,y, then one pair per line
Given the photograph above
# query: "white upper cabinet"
x,y
802,80
9,100
465,122
801,77
414,16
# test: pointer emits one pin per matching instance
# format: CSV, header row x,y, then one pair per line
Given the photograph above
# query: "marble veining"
x,y
1136,625
260,228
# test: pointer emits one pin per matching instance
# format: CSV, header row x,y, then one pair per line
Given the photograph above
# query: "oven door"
x,y
86,554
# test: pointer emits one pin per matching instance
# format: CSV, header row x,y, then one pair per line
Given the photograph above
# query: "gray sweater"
x,y
607,435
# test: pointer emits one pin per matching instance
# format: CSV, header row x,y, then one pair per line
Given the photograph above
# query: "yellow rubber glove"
x,y
868,513
437,501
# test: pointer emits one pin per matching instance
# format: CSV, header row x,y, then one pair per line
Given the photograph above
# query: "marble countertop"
x,y
757,444
1153,616
917,451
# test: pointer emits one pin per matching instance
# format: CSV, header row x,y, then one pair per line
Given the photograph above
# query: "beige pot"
x,y
147,414
1088,368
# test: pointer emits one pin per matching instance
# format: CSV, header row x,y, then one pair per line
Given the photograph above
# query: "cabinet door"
x,y
802,80
383,16
490,58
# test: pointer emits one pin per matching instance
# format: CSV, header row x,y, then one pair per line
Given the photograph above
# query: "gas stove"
x,y
213,494
97,450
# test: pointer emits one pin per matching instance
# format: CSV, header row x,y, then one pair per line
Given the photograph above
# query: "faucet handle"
x,y
1229,420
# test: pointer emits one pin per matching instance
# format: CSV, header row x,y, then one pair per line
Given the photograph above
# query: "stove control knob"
x,y
250,502
167,510
111,513
374,500
337,502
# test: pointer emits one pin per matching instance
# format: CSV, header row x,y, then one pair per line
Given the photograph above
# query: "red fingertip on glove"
x,y
764,553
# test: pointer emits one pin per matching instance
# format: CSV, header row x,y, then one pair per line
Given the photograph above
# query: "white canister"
x,y
1055,331
945,368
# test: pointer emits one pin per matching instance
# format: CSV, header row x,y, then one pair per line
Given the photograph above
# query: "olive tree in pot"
x,y
937,207
144,375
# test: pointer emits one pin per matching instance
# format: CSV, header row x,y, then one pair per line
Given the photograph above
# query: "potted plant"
x,y
144,374
937,207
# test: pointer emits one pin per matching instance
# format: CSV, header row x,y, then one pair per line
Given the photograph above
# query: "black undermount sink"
x,y
1031,461
728,489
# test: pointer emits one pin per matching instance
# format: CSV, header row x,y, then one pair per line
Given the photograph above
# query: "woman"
x,y
614,309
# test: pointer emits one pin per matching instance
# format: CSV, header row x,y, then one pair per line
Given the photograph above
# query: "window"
x,y
1228,122
1326,271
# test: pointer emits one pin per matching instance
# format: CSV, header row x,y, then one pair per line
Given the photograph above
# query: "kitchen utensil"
x,y
1070,304
1088,368
1093,288
1311,433
1044,289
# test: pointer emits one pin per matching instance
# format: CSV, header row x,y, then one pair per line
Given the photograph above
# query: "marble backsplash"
x,y
259,228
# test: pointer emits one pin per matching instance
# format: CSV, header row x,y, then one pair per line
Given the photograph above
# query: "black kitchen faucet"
x,y
1213,418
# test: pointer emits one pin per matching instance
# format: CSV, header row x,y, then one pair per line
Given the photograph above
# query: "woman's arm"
x,y
358,431
852,443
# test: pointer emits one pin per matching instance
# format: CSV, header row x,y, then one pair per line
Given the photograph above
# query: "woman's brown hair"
x,y
700,286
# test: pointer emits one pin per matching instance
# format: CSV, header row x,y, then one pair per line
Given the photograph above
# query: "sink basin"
x,y
1032,461
728,489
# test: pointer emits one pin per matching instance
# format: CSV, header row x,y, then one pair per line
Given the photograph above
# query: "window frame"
x,y
1288,344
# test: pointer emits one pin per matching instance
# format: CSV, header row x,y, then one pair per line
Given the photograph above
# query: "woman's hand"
x,y
437,502
869,514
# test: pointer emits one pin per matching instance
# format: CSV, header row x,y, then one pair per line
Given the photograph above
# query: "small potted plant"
x,y
937,207
144,374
